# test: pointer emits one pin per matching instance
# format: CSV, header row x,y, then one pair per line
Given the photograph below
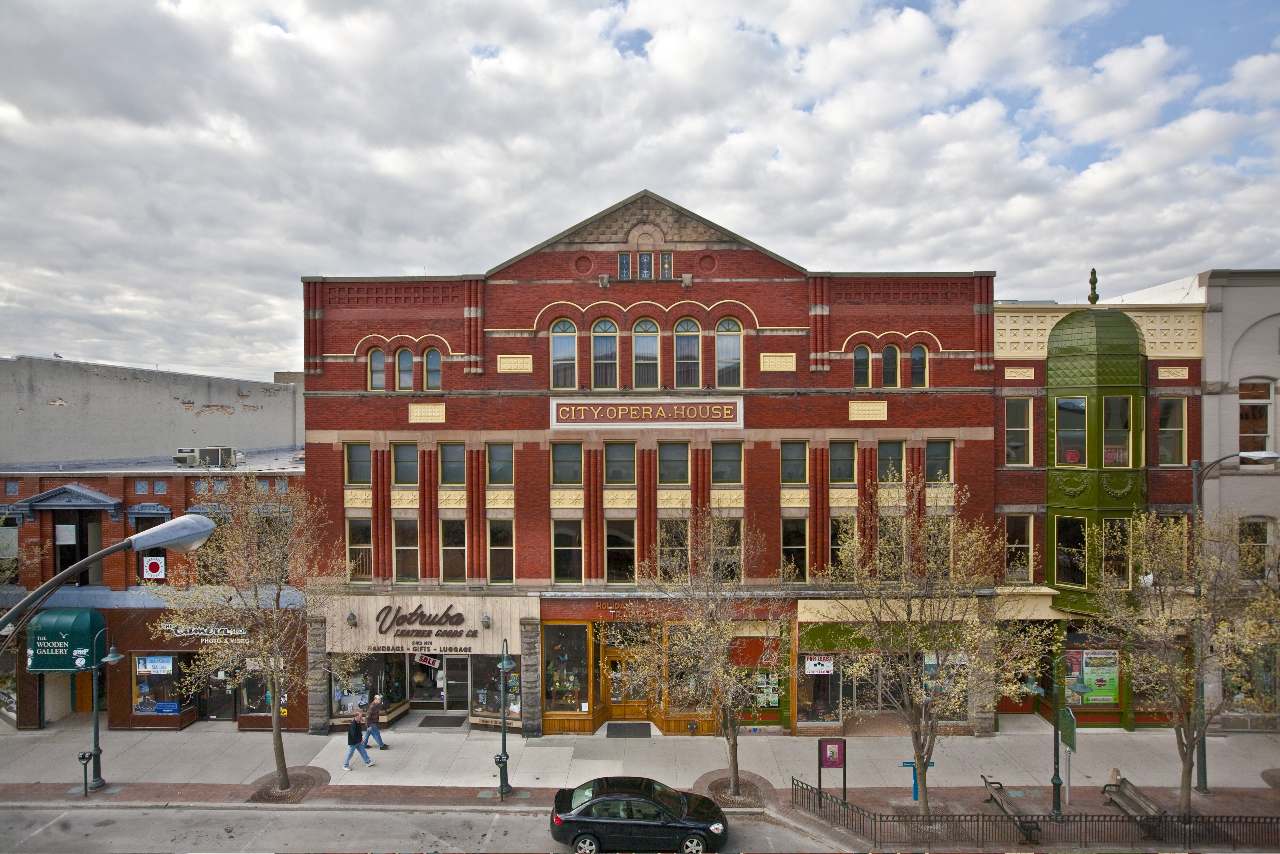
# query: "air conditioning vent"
x,y
217,457
186,457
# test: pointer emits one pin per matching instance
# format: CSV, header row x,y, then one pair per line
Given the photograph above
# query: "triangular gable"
x,y
70,496
614,226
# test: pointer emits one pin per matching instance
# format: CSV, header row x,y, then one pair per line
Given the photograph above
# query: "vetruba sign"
x,y
432,625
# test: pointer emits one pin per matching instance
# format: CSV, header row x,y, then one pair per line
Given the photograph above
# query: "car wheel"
x,y
693,845
588,844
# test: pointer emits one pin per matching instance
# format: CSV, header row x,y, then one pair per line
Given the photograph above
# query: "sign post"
x,y
831,755
1067,732
915,779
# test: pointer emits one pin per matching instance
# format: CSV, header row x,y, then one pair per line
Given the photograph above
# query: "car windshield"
x,y
669,798
582,794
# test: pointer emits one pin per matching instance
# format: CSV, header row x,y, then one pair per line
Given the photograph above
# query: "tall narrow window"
x,y
726,548
604,354
1173,419
1115,551
728,354
406,545
502,551
673,545
566,555
861,367
431,370
377,370
673,462
501,463
360,549
1017,548
795,547
566,463
891,547
667,270
726,462
359,470
646,265
688,340
620,462
404,463
889,462
937,461
890,367
1116,432
404,370
624,265
1070,551
1070,431
1253,549
453,550
919,366
794,462
453,464
838,530
1017,431
1255,418
620,551
564,355
843,461
644,349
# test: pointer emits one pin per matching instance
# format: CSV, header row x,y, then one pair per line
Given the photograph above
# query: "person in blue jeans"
x,y
375,709
355,741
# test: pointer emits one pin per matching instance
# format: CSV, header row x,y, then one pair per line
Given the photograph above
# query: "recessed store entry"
x,y
445,690
218,700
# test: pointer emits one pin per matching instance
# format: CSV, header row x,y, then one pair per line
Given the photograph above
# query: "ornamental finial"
x,y
1093,287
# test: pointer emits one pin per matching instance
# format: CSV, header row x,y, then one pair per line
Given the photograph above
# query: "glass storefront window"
x,y
818,697
255,696
486,688
565,667
382,673
155,680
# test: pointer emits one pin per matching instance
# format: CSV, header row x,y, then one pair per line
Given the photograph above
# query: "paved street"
x,y
142,830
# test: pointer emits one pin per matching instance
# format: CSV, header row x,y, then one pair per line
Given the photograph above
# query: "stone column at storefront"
x,y
317,677
531,677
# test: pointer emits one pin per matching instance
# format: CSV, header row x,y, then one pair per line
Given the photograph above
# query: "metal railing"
x,y
999,830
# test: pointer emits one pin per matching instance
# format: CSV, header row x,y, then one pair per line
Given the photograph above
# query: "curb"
x,y
312,807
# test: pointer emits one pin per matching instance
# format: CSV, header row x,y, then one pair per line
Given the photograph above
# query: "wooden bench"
x,y
1133,802
996,793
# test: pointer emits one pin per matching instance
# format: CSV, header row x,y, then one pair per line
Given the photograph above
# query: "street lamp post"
x,y
505,666
1198,475
1080,688
110,658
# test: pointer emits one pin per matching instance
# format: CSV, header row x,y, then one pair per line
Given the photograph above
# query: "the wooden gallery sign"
x,y
647,412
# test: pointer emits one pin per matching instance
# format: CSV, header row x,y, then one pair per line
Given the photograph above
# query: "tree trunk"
x,y
922,777
731,737
1184,797
277,738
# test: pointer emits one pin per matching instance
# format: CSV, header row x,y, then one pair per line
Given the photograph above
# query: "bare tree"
x,y
252,584
698,638
916,587
1198,605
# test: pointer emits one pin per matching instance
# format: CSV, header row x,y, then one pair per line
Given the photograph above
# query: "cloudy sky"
x,y
169,168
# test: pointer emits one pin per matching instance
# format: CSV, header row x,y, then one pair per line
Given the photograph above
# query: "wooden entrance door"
x,y
624,704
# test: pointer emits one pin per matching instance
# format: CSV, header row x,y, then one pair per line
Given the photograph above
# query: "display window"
x,y
155,683
382,673
487,689
818,690
566,668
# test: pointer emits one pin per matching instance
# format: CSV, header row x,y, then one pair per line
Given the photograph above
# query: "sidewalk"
x,y
213,763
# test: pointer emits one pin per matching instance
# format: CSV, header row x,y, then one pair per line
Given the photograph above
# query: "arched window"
x,y
919,366
377,370
564,355
644,348
861,367
431,370
604,354
688,354
890,367
404,370
728,354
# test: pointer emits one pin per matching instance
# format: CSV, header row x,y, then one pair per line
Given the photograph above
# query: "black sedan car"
x,y
636,814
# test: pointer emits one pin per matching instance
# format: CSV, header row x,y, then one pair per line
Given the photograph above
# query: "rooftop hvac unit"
x,y
217,457
186,457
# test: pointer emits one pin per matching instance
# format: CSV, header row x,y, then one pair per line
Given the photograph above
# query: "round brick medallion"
x,y
706,263
582,263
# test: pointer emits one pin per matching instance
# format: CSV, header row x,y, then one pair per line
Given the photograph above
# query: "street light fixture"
x,y
505,665
110,658
1198,475
1080,688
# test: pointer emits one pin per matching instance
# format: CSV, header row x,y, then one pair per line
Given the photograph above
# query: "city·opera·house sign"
x,y
648,412
426,624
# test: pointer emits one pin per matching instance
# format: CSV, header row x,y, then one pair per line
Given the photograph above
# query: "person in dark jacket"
x,y
355,741
375,709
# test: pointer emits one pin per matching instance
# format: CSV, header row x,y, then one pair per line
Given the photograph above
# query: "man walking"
x,y
375,709
355,741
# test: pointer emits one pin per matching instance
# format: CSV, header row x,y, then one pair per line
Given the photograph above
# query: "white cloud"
x,y
169,170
